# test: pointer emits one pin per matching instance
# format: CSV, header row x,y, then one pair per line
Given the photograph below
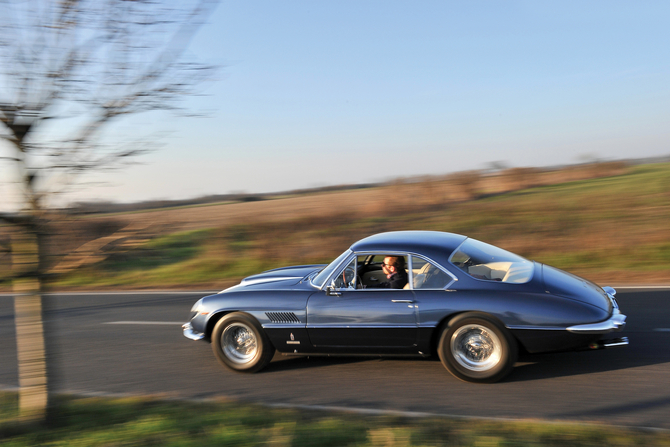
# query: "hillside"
x,y
609,223
613,229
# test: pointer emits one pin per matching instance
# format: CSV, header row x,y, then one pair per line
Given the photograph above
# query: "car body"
x,y
472,303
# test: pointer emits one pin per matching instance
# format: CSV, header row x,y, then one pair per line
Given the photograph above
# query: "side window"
x,y
382,271
428,275
346,279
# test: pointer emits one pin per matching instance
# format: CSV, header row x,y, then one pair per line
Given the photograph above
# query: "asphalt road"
x,y
105,343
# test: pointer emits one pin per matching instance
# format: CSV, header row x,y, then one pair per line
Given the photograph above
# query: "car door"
x,y
342,315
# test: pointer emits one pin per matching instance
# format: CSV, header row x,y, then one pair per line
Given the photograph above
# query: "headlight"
x,y
197,309
196,306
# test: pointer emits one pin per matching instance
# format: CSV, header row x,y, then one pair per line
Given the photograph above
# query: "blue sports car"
x,y
410,293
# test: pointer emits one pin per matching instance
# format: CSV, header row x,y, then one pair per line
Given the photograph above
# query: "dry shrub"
x,y
397,198
520,178
308,239
465,185
583,172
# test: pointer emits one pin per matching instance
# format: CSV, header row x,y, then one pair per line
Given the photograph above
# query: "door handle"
x,y
402,301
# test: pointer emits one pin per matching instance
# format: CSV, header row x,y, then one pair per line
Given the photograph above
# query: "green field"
x,y
612,229
99,422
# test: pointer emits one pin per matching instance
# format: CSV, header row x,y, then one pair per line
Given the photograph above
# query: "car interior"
x,y
369,273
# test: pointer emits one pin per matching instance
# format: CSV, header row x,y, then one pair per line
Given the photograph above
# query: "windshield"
x,y
325,273
490,263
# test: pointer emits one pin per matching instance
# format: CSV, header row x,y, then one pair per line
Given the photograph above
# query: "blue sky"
x,y
315,93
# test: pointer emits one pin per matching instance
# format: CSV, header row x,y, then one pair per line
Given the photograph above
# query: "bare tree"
x,y
70,70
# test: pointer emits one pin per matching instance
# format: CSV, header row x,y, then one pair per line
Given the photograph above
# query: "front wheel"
x,y
239,343
476,348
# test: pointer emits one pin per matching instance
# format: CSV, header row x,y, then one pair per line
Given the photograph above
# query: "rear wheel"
x,y
238,341
476,348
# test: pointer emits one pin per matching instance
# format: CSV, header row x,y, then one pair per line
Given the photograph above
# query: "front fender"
x,y
268,307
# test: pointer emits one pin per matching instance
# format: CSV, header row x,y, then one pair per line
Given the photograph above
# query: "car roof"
x,y
434,244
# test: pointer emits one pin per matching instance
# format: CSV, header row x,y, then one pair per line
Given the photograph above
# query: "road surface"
x,y
132,343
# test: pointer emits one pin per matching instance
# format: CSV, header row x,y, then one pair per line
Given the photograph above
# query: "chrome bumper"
x,y
616,323
190,333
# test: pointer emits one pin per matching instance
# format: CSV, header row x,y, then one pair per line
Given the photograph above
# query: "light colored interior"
x,y
513,272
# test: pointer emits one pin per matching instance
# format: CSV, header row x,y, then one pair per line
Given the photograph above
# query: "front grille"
x,y
282,317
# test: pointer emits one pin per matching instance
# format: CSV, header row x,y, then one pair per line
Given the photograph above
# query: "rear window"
x,y
489,263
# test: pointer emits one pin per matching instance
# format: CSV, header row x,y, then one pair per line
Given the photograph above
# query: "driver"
x,y
394,268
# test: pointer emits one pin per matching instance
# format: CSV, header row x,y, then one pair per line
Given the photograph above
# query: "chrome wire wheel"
x,y
239,343
476,347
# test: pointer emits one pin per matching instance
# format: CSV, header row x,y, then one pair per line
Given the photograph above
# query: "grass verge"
x,y
147,422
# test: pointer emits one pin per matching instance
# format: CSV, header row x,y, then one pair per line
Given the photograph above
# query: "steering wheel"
x,y
348,276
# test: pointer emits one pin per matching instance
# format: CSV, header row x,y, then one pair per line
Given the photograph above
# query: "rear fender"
x,y
445,322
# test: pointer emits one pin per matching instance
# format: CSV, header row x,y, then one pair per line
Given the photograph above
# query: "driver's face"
x,y
387,267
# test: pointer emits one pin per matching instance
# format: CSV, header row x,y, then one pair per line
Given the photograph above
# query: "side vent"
x,y
282,317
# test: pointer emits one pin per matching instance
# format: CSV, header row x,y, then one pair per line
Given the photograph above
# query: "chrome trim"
x,y
623,341
283,325
609,290
611,293
336,269
355,326
438,265
536,328
268,279
330,291
402,301
373,289
282,317
476,348
615,323
239,343
251,282
190,333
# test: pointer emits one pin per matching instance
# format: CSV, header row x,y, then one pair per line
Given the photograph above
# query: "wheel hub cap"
x,y
476,348
238,343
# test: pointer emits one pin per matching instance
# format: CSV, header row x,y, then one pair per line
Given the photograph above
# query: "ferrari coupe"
x,y
415,293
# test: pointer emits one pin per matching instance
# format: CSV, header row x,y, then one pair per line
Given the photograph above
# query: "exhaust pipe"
x,y
610,343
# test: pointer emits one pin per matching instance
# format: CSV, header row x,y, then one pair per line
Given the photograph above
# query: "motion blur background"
x,y
326,122
312,94
304,126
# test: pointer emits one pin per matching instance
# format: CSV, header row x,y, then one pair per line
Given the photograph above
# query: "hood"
x,y
288,275
567,285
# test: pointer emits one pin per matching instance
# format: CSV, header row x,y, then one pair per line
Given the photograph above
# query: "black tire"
x,y
474,347
239,343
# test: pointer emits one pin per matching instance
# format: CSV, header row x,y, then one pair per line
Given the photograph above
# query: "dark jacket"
x,y
397,281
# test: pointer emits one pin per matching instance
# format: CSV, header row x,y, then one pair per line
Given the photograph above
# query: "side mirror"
x,y
330,291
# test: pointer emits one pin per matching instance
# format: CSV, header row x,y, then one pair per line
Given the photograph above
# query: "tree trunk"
x,y
31,353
